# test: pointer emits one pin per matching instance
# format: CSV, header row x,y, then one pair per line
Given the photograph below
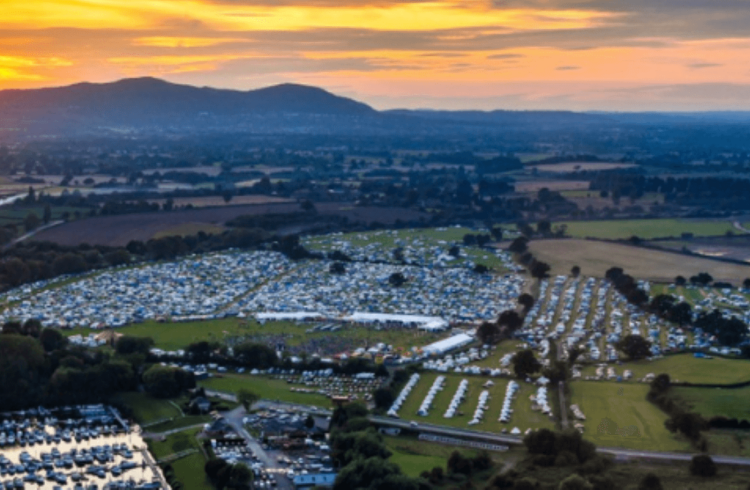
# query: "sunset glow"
x,y
585,54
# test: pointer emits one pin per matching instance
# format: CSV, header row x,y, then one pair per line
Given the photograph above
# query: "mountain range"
x,y
151,104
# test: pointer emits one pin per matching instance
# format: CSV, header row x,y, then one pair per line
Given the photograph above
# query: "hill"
x,y
150,102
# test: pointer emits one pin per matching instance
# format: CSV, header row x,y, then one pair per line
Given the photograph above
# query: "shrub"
x,y
702,465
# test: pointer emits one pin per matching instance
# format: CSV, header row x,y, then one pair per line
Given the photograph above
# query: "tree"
x,y
383,398
681,313
227,196
573,354
575,271
525,363
539,269
634,346
680,280
69,263
662,304
702,465
481,269
527,301
396,279
31,222
510,319
702,279
337,268
167,382
128,344
454,251
47,216
575,482
519,245
308,206
746,283
52,340
247,398
650,482
309,422
544,227
488,333
256,356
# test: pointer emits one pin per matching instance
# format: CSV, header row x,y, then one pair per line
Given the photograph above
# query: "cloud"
x,y
505,56
703,65
567,68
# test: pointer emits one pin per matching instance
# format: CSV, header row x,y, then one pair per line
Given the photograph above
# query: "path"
x,y
32,233
737,225
158,435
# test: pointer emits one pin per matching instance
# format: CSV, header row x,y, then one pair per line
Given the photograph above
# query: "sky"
x,y
617,55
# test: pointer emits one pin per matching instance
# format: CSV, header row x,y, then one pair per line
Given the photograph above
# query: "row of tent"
x,y
396,406
437,387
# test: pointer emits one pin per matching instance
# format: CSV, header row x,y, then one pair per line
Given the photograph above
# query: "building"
x,y
314,480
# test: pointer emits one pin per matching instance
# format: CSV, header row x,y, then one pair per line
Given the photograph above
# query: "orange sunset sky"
x,y
471,54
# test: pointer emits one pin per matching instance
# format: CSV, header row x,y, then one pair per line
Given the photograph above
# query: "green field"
x,y
414,456
523,417
644,228
173,336
189,471
179,423
148,409
267,388
711,402
626,405
175,443
686,368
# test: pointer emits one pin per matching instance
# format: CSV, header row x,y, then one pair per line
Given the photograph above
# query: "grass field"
x,y
179,423
523,417
147,409
189,471
595,258
685,367
414,456
175,443
579,166
711,402
626,405
267,388
645,228
173,336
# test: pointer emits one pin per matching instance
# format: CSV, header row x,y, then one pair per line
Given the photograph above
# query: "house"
x,y
311,480
218,428
200,404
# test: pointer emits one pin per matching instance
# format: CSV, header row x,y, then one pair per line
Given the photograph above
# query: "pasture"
x,y
414,456
595,258
712,402
686,368
625,405
646,229
266,387
148,409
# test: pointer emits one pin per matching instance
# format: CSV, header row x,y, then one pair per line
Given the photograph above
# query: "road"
x,y
739,226
234,418
32,233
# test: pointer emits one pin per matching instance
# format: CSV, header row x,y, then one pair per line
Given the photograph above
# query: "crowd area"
x,y
234,283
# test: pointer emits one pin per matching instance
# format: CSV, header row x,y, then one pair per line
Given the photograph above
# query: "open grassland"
x,y
173,336
625,405
644,228
414,456
595,258
265,387
686,368
148,409
523,417
189,471
712,402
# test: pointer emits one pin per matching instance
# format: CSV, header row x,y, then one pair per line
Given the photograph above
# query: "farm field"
x,y
268,388
202,202
121,229
414,456
191,229
736,247
553,185
686,368
625,405
712,402
523,417
595,258
578,166
646,229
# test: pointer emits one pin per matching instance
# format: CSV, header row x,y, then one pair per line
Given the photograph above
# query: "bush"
x,y
566,458
650,482
702,465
